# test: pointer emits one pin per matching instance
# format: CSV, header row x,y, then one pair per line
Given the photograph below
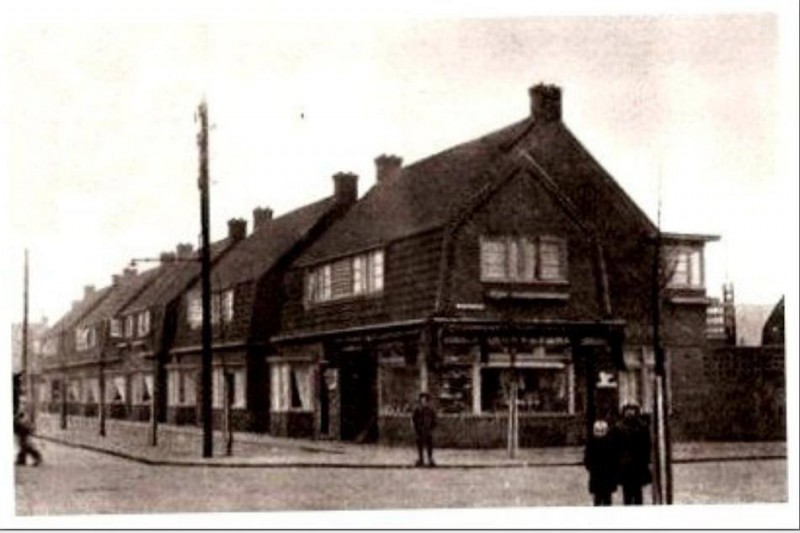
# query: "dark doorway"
x,y
359,397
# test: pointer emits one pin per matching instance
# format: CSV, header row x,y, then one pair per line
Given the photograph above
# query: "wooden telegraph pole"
x,y
205,378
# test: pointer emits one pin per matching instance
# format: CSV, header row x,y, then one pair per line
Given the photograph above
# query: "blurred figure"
x,y
633,441
600,459
22,430
424,420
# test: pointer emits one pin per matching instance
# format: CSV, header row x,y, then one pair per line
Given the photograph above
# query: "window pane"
x,y
696,269
194,312
528,272
493,259
550,257
342,278
359,274
678,263
376,271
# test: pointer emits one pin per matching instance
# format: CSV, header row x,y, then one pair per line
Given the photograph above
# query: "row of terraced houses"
x,y
514,256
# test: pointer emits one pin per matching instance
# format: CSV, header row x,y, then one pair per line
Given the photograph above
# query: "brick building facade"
x,y
510,264
514,258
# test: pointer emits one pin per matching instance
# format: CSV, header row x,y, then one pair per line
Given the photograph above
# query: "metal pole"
x,y
205,380
101,390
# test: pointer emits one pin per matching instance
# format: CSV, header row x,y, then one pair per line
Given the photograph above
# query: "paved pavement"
x,y
76,481
181,446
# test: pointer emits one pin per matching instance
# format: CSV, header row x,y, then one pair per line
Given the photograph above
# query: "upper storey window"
x,y
352,276
507,259
221,308
684,268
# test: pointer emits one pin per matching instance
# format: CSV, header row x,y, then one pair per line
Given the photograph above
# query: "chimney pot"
x,y
237,229
545,102
115,279
129,272
345,188
261,215
387,167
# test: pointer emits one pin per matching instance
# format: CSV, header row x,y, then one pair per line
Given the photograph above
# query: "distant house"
x,y
36,331
511,258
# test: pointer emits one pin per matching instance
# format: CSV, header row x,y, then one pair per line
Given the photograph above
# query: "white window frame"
x,y
143,324
522,259
693,259
349,277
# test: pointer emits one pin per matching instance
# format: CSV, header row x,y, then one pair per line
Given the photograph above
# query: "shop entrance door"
x,y
359,398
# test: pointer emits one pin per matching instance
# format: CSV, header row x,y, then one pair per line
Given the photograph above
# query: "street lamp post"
x,y
205,378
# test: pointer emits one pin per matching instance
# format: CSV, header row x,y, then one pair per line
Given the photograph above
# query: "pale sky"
x,y
100,139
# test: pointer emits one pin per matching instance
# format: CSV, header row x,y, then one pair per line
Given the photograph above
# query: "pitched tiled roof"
x,y
79,311
119,295
428,193
260,251
172,278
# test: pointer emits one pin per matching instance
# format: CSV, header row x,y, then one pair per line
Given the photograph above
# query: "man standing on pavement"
x,y
424,419
633,438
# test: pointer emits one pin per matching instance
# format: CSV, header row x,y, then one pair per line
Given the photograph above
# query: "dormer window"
x,y
684,267
507,259
85,338
344,278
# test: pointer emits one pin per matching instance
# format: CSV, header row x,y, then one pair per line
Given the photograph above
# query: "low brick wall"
x,y
292,424
487,431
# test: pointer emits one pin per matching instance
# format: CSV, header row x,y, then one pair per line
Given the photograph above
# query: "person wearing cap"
x,y
633,442
600,459
424,420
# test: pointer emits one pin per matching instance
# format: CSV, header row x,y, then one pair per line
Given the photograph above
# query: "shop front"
x,y
362,386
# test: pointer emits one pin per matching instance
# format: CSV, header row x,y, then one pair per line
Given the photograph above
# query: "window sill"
x,y
344,300
500,294
689,300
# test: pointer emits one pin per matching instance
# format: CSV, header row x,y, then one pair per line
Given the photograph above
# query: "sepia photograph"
x,y
353,265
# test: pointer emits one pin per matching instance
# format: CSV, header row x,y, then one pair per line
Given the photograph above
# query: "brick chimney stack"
x,y
345,188
261,215
184,250
387,167
237,229
545,103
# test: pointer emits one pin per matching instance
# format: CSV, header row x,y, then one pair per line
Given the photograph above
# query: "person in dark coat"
x,y
600,459
424,420
22,430
633,441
